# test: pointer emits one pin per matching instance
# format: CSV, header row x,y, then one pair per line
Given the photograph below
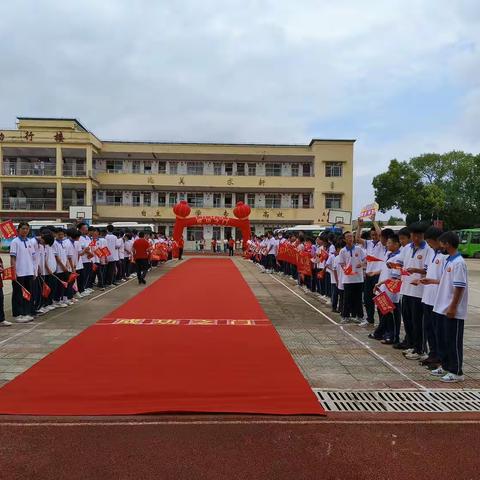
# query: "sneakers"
x,y
357,320
452,378
344,321
41,311
423,357
413,356
363,323
23,319
5,323
438,372
50,307
60,304
407,351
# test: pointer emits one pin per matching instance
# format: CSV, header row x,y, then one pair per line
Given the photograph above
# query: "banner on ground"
x,y
369,211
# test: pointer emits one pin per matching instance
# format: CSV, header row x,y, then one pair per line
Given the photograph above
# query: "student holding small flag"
x,y
22,260
61,270
3,321
451,303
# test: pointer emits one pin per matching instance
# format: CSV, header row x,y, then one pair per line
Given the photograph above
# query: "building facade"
x,y
48,165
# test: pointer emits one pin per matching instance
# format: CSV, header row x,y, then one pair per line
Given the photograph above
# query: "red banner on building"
x,y
7,229
383,303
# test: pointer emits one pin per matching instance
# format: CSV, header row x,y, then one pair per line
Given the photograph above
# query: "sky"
x,y
402,77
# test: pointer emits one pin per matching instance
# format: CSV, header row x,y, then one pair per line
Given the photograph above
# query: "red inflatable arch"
x,y
182,211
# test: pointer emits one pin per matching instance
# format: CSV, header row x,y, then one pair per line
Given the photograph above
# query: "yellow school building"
x,y
50,164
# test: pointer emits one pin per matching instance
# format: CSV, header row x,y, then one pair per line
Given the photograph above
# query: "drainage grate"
x,y
428,401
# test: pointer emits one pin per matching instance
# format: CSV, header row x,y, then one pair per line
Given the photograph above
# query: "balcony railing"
x,y
74,172
29,204
72,203
17,170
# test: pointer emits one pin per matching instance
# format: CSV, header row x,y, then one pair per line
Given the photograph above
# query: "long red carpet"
x,y
196,340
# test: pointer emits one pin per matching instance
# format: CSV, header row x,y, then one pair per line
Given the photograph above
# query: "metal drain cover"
x,y
426,401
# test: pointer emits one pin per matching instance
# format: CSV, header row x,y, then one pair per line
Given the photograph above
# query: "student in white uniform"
x,y
85,279
61,270
22,260
451,303
431,321
352,257
112,259
50,268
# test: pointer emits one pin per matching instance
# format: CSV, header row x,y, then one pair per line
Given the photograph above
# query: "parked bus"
x,y
309,230
140,227
469,242
35,226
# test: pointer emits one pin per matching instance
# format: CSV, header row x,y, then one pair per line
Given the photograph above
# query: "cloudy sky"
x,y
400,76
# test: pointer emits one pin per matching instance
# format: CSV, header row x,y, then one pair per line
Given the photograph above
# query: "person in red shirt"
x,y
141,251
231,246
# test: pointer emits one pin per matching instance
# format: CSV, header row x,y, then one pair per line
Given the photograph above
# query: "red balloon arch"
x,y
241,211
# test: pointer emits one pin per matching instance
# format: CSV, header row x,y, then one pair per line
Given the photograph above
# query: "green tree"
x,y
433,186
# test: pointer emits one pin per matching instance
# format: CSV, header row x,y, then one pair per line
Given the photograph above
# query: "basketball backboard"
x,y
339,217
81,213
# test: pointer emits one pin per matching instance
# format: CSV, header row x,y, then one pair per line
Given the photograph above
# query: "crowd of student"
x,y
59,267
419,269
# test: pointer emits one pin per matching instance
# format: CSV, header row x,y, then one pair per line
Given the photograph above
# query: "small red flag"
x,y
94,267
72,277
106,251
9,274
348,270
46,290
321,274
397,266
75,286
323,255
26,294
7,229
371,258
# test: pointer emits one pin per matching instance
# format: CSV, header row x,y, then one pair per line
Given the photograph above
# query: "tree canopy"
x,y
433,186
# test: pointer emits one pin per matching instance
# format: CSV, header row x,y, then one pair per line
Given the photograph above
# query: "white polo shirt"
x,y
50,258
434,267
36,258
41,259
390,273
121,248
454,275
111,240
354,257
79,260
85,241
413,257
101,242
339,270
375,249
330,264
24,253
60,252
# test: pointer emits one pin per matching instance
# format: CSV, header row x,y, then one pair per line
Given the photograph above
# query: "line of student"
x,y
348,271
44,265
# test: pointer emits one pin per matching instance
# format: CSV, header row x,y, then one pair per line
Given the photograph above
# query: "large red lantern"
x,y
182,209
241,210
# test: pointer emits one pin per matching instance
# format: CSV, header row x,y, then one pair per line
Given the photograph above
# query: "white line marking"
x,y
365,345
236,422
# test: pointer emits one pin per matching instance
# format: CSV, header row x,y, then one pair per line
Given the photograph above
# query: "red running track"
x,y
155,354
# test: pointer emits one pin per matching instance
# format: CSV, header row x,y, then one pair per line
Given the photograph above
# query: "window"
x,y
217,200
194,234
162,167
252,169
306,200
114,166
294,200
251,200
162,199
333,200
229,169
114,198
333,169
100,196
241,169
217,232
217,168
273,169
136,167
306,170
240,197
147,168
272,200
136,199
475,238
228,200
295,169
173,168
195,199
147,199
172,199
194,168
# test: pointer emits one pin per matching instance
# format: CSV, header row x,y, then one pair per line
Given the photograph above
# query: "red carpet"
x,y
158,353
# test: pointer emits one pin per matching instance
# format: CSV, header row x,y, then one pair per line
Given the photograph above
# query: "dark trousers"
x,y
230,251
20,306
126,267
328,284
335,290
100,275
50,281
87,276
110,273
271,261
352,303
2,308
36,294
180,253
81,280
429,333
389,325
60,290
142,268
119,269
412,313
368,295
452,333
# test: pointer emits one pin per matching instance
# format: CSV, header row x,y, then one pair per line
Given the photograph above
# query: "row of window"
x,y
332,169
220,200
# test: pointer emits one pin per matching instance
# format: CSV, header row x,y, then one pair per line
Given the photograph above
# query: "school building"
x,y
49,164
